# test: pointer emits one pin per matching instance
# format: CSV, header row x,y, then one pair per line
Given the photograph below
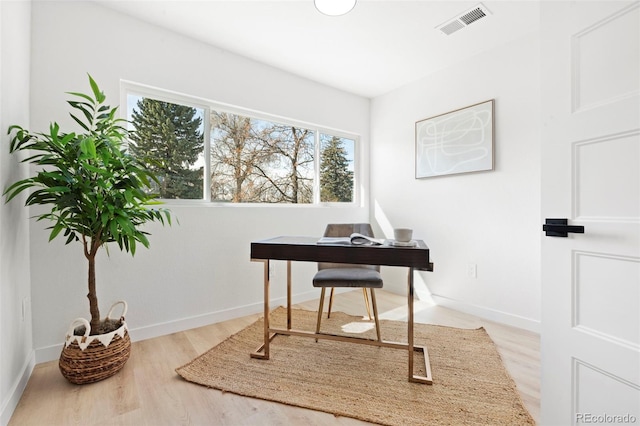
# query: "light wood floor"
x,y
149,392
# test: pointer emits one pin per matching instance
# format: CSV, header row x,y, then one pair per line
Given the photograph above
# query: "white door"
x,y
590,335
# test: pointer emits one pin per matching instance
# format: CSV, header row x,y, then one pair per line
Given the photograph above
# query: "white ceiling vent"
x,y
464,19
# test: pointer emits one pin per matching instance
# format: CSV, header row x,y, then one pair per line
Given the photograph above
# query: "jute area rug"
x,y
470,384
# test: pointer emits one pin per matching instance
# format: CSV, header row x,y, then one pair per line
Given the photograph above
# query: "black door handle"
x,y
560,228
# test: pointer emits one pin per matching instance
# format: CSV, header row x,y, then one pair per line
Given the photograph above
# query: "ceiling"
x,y
377,47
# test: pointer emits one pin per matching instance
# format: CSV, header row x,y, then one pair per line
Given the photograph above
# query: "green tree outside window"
x,y
169,138
336,180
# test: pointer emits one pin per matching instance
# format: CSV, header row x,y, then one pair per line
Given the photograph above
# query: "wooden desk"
x,y
306,249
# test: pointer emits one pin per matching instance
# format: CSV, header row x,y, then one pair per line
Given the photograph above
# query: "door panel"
x,y
613,314
590,342
595,60
587,402
607,178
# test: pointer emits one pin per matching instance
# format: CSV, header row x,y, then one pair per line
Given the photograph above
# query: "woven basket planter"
x,y
91,358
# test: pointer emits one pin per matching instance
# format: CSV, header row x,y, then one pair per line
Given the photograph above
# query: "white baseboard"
x,y
487,313
51,353
15,393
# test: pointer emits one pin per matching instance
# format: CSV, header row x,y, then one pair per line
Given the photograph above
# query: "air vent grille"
x,y
452,27
466,18
472,16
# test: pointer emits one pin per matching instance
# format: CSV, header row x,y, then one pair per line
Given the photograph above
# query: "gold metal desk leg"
x,y
410,322
263,351
427,379
288,295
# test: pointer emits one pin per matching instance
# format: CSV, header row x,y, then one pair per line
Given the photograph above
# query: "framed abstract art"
x,y
459,141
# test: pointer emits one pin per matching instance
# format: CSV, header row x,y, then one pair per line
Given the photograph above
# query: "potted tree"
x,y
96,194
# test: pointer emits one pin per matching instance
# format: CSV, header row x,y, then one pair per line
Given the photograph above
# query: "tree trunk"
x,y
92,296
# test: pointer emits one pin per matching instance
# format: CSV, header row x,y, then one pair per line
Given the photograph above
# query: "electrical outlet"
x,y
472,270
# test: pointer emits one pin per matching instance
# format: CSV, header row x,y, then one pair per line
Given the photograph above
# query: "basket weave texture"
x,y
96,362
88,359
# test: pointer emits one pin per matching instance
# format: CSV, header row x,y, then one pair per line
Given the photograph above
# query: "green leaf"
x,y
82,95
113,228
56,230
143,239
57,176
88,113
71,237
100,97
84,126
60,189
132,246
104,218
125,225
67,138
88,147
18,187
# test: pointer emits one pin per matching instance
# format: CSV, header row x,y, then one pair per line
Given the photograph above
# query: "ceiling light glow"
x,y
334,7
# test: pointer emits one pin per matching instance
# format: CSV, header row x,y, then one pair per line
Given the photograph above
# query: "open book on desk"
x,y
355,239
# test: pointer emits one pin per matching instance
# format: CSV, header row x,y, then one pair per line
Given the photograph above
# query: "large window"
x,y
248,159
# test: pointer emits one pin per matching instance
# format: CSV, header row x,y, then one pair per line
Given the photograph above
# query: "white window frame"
x,y
132,88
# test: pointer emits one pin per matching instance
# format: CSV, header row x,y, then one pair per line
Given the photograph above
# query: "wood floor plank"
x,y
149,392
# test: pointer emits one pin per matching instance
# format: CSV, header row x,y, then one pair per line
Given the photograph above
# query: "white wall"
x,y
16,346
490,218
198,271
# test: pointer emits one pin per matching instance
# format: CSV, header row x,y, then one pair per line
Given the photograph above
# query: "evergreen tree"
x,y
336,180
168,137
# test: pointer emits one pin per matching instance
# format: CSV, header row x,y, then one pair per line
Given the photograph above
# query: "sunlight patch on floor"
x,y
358,327
400,313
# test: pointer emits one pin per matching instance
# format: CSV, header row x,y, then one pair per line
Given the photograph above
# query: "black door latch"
x,y
560,228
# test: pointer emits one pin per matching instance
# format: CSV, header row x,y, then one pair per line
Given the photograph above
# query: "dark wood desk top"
x,y
306,249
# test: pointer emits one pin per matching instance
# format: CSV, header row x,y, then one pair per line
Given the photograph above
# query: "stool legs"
x,y
330,302
366,302
364,290
320,308
375,313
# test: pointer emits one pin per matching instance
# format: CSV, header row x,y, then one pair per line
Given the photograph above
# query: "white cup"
x,y
402,234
